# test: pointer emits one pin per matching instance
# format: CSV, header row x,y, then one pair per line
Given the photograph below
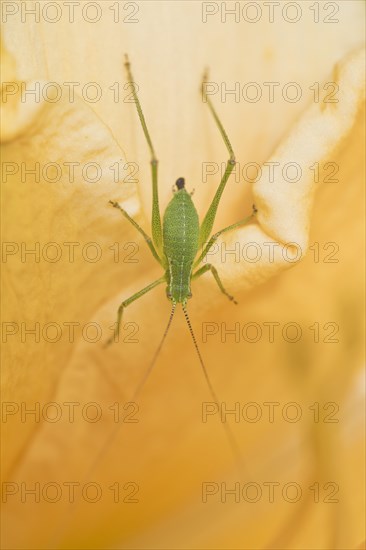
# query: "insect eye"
x,y
180,183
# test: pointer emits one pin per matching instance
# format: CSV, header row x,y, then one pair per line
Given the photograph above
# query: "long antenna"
x,y
138,389
230,436
60,529
156,355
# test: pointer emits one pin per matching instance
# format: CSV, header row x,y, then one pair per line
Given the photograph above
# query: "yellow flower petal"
x,y
170,452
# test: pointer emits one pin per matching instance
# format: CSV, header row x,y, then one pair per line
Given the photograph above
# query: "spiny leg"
x,y
214,237
129,301
139,228
155,218
208,221
210,267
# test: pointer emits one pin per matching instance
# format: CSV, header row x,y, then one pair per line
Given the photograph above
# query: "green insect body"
x,y
180,244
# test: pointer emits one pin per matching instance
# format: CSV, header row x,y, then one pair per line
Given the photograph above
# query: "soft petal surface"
x,y
165,458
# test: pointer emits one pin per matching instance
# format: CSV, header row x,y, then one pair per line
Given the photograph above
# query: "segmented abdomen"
x,y
180,242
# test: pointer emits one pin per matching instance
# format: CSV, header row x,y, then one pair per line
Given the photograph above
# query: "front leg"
x,y
139,229
210,267
214,237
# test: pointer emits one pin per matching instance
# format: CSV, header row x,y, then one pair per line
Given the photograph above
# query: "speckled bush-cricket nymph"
x,y
180,242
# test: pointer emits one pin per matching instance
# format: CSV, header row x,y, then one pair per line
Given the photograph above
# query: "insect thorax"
x,y
180,243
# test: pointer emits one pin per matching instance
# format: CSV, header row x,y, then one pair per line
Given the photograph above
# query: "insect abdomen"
x,y
180,241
